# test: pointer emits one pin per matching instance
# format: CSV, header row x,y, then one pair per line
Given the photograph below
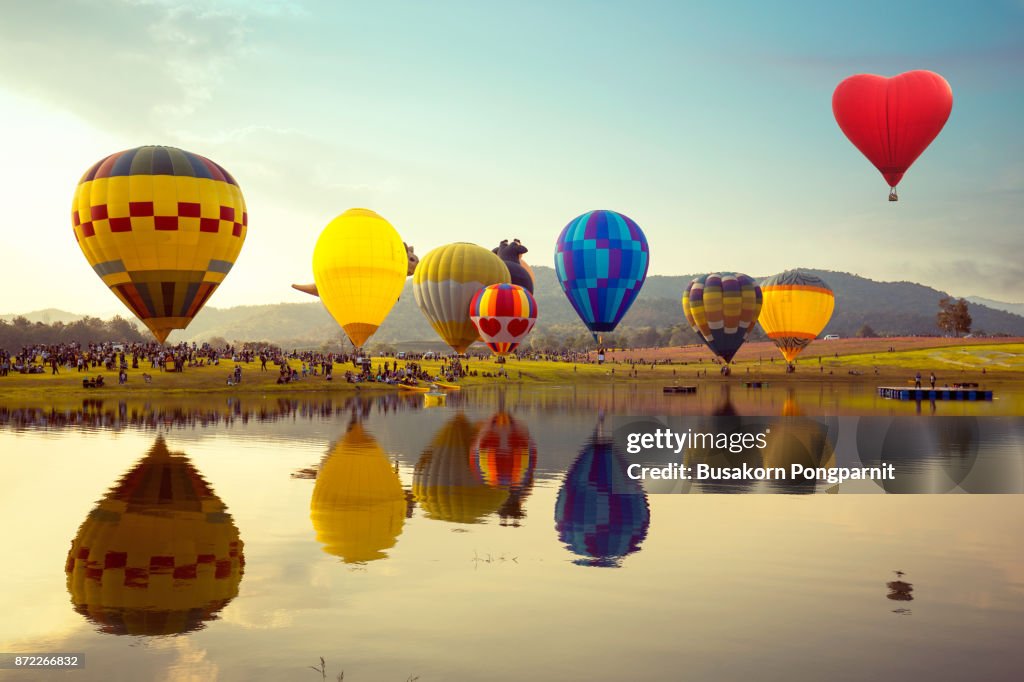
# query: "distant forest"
x,y
19,332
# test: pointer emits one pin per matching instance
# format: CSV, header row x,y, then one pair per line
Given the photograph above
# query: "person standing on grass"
x,y
917,380
932,379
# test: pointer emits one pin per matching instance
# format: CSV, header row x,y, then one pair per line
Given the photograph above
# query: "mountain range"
x,y
889,308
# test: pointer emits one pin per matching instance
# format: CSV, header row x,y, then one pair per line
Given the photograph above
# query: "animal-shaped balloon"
x,y
511,253
411,256
162,228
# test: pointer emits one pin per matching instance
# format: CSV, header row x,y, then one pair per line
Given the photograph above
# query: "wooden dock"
x,y
679,389
959,393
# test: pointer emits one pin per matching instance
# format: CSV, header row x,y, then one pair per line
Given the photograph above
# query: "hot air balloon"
x,y
796,308
601,514
358,504
505,457
722,308
159,555
511,253
411,256
162,228
892,120
444,482
503,314
601,260
445,282
359,264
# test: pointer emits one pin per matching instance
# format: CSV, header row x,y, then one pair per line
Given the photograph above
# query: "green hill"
x,y
890,308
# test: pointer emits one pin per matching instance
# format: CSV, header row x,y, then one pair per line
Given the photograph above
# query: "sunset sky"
x,y
708,123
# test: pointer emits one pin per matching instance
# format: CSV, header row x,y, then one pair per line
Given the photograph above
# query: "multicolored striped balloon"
x,y
503,314
722,308
601,260
797,306
504,454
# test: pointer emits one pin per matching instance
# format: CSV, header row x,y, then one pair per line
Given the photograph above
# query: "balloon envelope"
x,y
722,308
159,554
360,265
601,260
892,120
358,505
162,228
445,282
797,306
503,314
601,514
445,483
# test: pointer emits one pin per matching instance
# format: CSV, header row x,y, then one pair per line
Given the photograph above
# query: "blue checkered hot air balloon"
x,y
601,514
601,260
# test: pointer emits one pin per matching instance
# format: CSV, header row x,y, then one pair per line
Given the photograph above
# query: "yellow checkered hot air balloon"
x,y
162,227
445,282
159,555
795,309
358,504
360,266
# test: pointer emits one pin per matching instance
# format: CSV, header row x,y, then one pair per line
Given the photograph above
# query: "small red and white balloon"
x,y
503,314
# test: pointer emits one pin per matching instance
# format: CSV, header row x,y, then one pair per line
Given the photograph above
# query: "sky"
x,y
710,124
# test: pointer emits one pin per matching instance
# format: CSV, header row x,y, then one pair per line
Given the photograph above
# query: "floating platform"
x,y
756,384
679,389
901,393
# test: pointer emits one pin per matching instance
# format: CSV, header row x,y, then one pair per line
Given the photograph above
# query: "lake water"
x,y
492,538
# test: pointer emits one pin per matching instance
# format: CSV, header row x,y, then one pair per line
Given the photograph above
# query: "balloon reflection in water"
x,y
601,514
159,555
505,457
358,505
445,483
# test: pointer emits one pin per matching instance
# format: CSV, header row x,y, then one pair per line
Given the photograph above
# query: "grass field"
x,y
863,361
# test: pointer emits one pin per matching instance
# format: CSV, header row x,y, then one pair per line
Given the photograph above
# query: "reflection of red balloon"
x,y
892,120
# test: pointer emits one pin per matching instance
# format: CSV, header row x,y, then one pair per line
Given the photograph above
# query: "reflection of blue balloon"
x,y
601,261
601,513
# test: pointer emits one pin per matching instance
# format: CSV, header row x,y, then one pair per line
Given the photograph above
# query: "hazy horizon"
x,y
710,126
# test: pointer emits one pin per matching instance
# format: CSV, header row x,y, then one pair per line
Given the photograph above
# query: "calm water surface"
x,y
493,538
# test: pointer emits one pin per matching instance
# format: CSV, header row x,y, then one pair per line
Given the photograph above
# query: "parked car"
x,y
831,337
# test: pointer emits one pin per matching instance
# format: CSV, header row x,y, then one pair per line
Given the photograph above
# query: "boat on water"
x,y
413,389
447,387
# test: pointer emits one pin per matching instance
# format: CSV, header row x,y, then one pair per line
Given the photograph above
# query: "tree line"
x,y
21,332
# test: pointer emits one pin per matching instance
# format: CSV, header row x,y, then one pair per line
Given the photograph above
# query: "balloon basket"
x,y
892,194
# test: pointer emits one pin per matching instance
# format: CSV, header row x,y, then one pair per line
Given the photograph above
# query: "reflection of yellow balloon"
x,y
162,227
360,265
358,505
796,308
159,555
444,482
444,283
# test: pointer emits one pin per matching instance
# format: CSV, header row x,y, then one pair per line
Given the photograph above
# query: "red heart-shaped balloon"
x,y
892,120
518,326
489,326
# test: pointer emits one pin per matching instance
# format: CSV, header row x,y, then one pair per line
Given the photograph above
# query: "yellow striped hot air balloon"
x,y
795,309
360,265
445,483
358,506
162,227
445,282
159,555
